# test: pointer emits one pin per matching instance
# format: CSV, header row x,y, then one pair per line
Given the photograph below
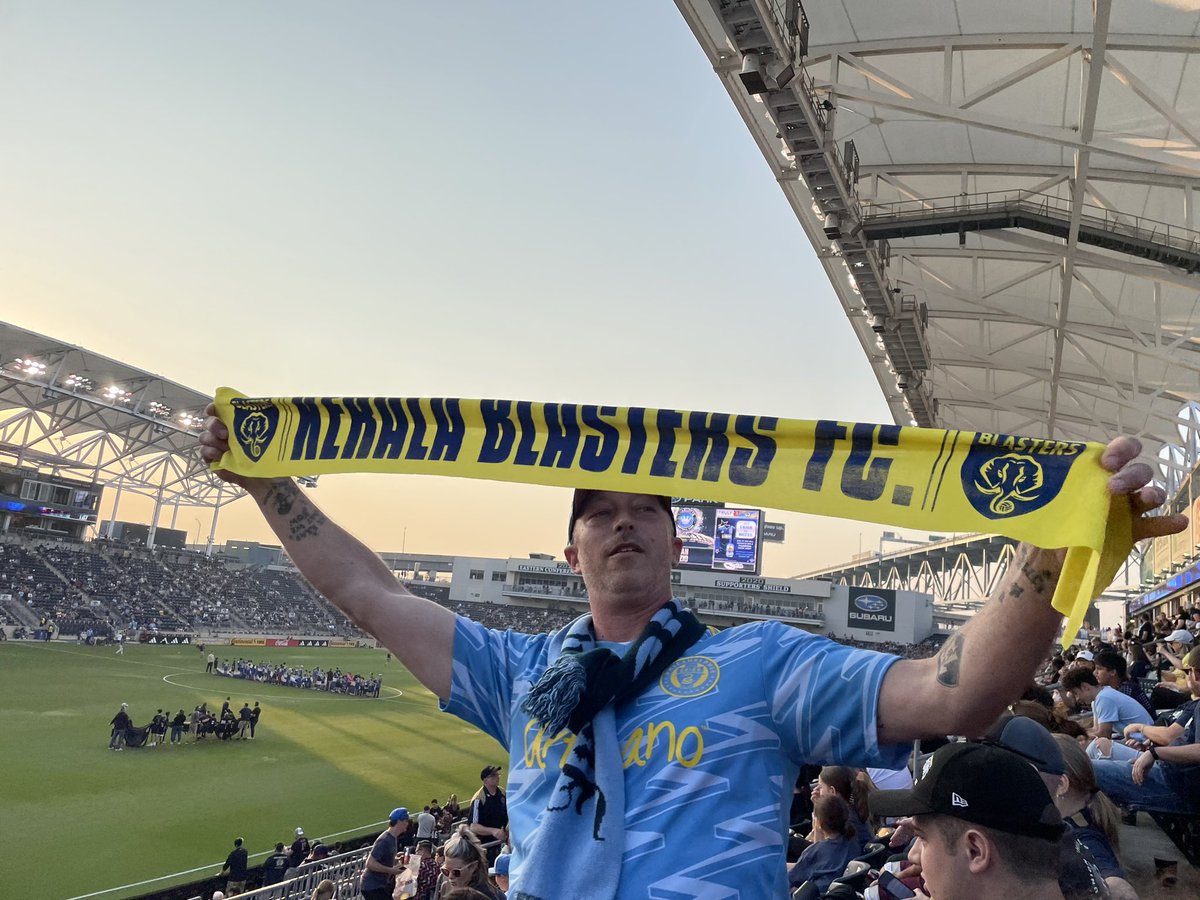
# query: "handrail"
x,y
1138,227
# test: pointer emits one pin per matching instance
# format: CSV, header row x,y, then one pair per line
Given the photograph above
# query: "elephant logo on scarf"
x,y
1009,480
254,425
1006,476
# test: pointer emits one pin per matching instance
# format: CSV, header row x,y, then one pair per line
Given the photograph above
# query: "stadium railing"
x,y
343,870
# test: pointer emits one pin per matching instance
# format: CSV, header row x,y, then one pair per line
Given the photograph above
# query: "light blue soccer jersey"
x,y
711,752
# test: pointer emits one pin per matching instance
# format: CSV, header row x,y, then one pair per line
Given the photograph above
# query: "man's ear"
x,y
981,855
571,555
677,550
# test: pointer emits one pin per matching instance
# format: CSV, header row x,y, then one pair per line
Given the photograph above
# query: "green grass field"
x,y
77,818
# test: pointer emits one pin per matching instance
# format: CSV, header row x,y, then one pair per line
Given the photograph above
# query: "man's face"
x,y
1193,680
1084,694
492,782
1106,676
624,543
944,867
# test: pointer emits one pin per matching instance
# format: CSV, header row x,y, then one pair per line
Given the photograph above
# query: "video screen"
x,y
718,538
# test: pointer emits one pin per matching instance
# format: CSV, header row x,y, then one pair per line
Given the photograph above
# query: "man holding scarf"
x,y
648,756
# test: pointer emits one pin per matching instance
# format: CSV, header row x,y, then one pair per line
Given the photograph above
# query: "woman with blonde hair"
x,y
324,891
466,866
1091,818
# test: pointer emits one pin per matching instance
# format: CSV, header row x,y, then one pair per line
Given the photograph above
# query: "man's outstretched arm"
x,y
343,569
987,663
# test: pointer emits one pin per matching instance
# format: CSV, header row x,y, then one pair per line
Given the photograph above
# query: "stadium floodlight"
x,y
30,366
116,394
79,382
161,410
190,420
752,74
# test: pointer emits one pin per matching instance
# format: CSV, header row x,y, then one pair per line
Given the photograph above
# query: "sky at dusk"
x,y
539,201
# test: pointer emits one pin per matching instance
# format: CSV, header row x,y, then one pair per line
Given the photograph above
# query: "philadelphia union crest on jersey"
x,y
254,425
1005,476
690,676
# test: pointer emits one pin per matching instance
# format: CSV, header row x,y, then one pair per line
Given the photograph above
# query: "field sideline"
x,y
78,818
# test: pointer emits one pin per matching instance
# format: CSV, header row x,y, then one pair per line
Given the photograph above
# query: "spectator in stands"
x,y
1111,671
488,817
1139,665
985,825
1160,778
381,862
1079,877
853,786
426,823
428,871
1090,817
326,890
235,869
299,848
276,866
834,844
1111,710
499,871
466,866
562,693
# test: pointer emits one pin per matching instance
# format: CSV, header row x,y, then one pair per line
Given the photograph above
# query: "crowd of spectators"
x,y
751,606
98,589
333,681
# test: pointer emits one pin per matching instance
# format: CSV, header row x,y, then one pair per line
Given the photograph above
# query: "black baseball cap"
x,y
583,495
488,771
1028,739
977,783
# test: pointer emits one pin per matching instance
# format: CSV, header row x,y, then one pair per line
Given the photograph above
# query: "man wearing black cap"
x,y
1080,876
985,824
634,729
488,816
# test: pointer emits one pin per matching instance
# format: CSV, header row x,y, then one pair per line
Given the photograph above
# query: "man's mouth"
x,y
625,548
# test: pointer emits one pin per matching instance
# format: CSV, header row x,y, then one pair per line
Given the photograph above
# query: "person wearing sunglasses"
x,y
466,866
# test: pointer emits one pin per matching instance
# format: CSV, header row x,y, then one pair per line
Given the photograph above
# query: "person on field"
x,y
120,724
606,720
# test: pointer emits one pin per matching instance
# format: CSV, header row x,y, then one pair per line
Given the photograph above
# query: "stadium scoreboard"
x,y
39,501
718,537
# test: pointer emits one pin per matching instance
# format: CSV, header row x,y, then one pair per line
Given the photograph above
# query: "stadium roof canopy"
x,y
67,410
1003,196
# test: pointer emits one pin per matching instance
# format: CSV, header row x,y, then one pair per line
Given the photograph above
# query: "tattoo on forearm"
x,y
1040,579
949,660
306,523
281,497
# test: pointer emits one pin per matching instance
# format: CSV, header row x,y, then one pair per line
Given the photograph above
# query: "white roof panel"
x,y
1024,181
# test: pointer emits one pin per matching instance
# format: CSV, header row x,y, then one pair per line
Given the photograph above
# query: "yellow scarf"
x,y
1049,493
